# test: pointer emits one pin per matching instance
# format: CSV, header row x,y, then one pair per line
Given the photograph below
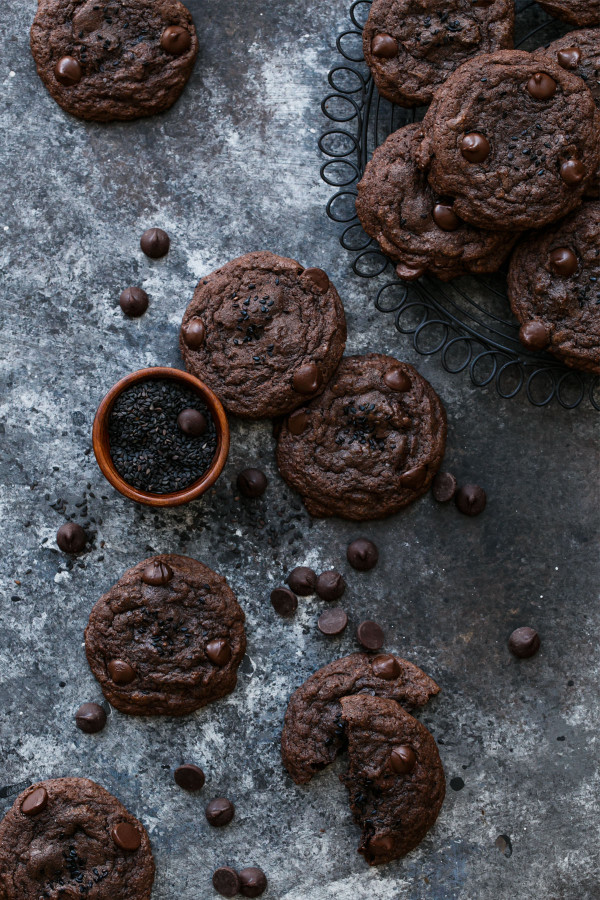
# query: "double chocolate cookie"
x,y
395,777
264,333
576,12
68,838
513,138
369,445
113,59
313,732
167,638
416,228
554,289
411,47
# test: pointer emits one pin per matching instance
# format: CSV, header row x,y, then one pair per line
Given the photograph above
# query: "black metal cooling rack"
x,y
468,321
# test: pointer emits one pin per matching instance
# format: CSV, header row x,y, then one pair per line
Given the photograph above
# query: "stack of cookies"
x,y
509,144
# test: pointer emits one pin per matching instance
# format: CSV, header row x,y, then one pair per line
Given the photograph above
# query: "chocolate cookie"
x,y
69,838
113,59
395,777
513,138
576,12
167,638
264,333
313,733
411,47
554,289
579,52
416,228
369,445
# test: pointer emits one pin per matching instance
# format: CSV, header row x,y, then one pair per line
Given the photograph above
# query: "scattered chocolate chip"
x,y
541,86
71,538
126,836
475,147
524,642
219,652
386,666
284,601
297,422
155,243
67,71
302,581
219,812
332,621
35,803
226,881
319,278
362,554
192,422
134,302
370,635
253,882
189,777
569,58
534,334
157,574
444,487
403,759
470,499
330,585
563,261
572,171
176,40
90,718
384,45
252,483
120,671
397,380
445,218
306,379
194,333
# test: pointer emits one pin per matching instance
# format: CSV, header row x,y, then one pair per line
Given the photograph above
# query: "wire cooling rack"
x,y
468,321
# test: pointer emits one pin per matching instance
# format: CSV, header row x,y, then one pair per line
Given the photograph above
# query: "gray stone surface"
x,y
231,168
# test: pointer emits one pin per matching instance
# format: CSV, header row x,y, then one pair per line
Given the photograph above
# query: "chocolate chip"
x,y
67,71
330,585
220,812
445,218
362,554
155,243
126,836
226,881
253,882
157,573
569,58
90,718
192,422
475,147
413,478
284,601
176,40
384,45
563,261
534,334
397,380
403,759
524,642
302,581
120,671
319,278
252,483
386,666
189,777
219,652
444,487
194,333
409,273
470,499
35,803
381,844
71,538
332,621
572,171
541,86
297,422
370,635
134,302
306,379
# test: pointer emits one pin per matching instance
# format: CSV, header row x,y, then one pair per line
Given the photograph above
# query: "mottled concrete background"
x,y
232,168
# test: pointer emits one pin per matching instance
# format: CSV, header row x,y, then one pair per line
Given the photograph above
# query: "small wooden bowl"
x,y
102,446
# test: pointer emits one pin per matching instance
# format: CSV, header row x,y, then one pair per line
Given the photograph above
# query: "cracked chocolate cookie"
x,y
513,138
167,638
411,46
68,838
416,228
554,289
264,333
369,445
575,12
395,777
313,732
113,59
